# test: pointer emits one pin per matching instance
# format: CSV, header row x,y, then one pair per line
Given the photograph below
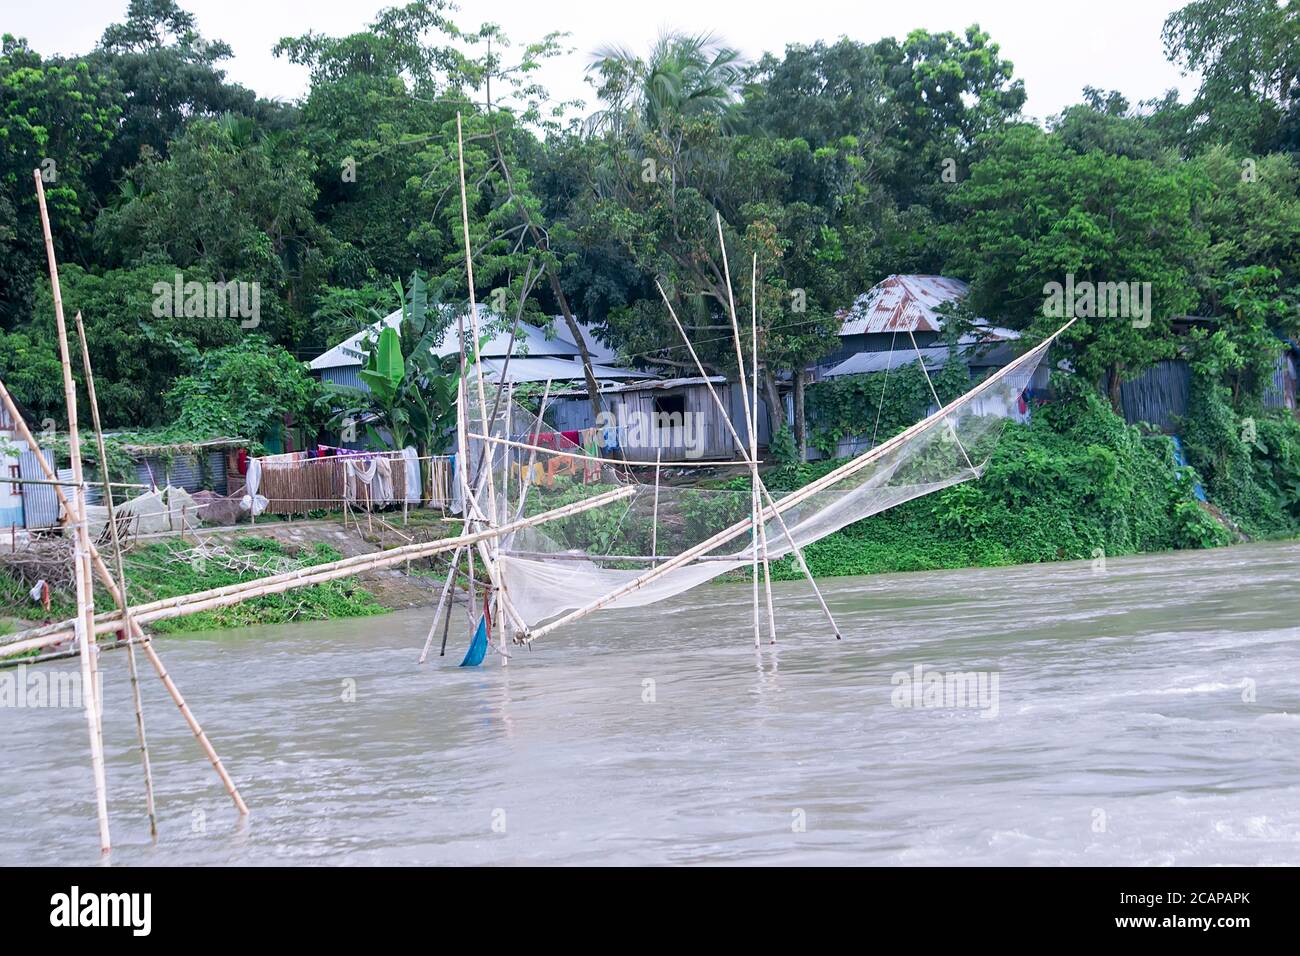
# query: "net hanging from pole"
x,y
569,564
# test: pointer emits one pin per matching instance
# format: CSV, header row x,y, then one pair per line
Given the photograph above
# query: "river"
x,y
1147,712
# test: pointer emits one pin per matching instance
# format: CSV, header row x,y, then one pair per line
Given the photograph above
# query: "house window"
x,y
669,405
15,488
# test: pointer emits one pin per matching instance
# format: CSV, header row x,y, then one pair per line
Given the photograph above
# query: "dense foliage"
x,y
824,166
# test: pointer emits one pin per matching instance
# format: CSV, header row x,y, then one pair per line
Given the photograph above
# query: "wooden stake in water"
x,y
90,688
753,450
442,600
121,578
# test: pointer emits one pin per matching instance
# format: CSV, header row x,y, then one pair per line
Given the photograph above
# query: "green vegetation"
x,y
830,165
173,568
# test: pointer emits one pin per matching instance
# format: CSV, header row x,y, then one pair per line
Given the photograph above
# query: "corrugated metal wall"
x,y
344,375
1281,392
40,506
1158,395
183,471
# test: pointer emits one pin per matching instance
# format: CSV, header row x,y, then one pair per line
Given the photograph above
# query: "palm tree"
x,y
684,76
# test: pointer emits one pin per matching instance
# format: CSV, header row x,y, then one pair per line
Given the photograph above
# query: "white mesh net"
x,y
614,555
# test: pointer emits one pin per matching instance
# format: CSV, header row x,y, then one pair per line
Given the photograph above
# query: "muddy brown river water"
x,y
1147,713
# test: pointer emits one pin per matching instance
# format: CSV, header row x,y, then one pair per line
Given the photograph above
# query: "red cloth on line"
x,y
575,437
242,461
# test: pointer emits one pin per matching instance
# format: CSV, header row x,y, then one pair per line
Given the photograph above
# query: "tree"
x,y
57,116
1248,54
167,75
233,203
1263,192
136,353
1034,212
243,390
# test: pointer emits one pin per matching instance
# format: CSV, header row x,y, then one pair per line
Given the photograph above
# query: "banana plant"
x,y
410,390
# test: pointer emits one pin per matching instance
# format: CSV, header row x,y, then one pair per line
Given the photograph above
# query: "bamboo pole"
x,y
504,513
137,632
473,312
91,690
592,558
446,591
654,522
753,444
775,508
121,579
798,552
744,397
304,577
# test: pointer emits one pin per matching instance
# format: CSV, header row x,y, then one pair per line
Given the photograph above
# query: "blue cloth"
x,y
1180,459
478,646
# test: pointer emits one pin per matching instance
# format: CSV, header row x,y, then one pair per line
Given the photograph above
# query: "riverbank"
x,y
1075,483
174,566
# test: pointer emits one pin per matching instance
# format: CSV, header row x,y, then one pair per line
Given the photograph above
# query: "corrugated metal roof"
x,y
529,369
901,303
985,353
662,383
933,356
529,340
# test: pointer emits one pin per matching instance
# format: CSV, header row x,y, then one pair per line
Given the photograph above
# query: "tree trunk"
x,y
775,408
1113,383
426,474
593,389
800,419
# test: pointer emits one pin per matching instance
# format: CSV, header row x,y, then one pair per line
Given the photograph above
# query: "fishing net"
x,y
617,552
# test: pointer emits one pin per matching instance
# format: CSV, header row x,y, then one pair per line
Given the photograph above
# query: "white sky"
x,y
1057,46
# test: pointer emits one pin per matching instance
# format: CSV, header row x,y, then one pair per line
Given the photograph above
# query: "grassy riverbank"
x,y
173,568
1076,483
